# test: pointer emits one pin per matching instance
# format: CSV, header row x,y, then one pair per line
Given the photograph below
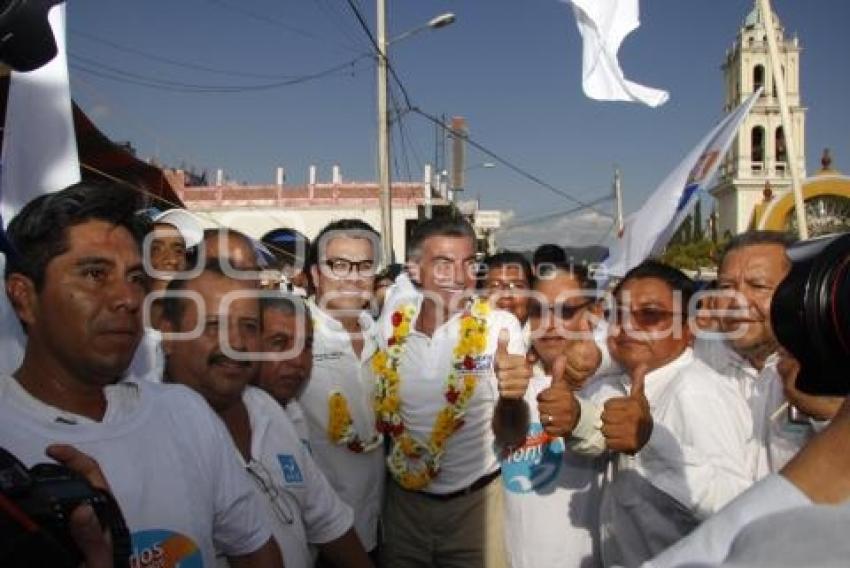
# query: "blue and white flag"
x,y
603,25
647,231
39,156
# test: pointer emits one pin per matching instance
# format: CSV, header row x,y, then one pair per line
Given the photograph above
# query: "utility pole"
x,y
384,139
618,199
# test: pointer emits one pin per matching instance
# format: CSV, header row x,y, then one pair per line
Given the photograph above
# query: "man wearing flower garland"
x,y
435,397
337,400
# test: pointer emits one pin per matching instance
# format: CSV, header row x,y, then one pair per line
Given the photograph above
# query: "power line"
x,y
531,220
246,13
175,62
335,16
105,71
378,52
508,164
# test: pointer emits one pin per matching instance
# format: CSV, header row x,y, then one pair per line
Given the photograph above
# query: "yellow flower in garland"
x,y
410,462
338,417
341,429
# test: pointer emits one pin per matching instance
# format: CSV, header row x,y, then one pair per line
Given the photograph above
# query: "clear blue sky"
x,y
511,67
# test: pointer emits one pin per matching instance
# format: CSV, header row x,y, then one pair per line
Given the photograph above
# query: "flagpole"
x,y
787,127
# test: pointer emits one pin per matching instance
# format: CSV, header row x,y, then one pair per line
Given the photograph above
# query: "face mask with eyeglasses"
x,y
275,494
342,267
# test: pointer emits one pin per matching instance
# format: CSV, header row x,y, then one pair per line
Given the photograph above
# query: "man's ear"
x,y
314,273
412,269
24,298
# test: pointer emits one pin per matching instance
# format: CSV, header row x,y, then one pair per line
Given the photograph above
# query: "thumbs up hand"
x,y
512,371
558,407
583,358
627,421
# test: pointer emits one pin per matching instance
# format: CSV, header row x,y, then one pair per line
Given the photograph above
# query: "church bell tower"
x,y
758,157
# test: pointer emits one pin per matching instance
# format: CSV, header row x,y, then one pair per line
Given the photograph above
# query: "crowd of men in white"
x,y
542,424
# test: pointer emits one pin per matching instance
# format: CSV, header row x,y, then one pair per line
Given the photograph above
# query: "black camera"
x,y
810,313
35,507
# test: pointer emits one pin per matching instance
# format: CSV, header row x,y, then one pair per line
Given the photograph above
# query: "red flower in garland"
x,y
391,341
397,319
468,363
451,396
355,446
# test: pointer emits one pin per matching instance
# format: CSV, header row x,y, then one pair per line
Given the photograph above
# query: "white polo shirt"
x,y
551,495
695,461
302,507
777,439
168,460
358,478
470,452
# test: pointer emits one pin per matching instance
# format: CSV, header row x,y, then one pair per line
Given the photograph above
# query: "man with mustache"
x,y
211,344
77,283
436,397
752,266
337,400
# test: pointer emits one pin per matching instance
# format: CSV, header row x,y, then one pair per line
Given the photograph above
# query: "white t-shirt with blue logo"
x,y
551,497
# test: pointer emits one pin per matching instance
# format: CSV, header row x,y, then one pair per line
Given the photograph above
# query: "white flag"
x,y
39,156
647,231
603,25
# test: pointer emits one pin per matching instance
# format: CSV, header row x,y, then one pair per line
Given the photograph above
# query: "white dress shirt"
x,y
695,461
470,452
774,500
358,478
302,507
776,438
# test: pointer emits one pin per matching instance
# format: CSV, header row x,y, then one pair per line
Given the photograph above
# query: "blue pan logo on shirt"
x,y
535,464
291,471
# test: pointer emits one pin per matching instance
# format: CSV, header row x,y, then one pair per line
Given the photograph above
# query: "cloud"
x,y
576,230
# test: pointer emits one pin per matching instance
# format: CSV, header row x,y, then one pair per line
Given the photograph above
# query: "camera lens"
x,y
810,313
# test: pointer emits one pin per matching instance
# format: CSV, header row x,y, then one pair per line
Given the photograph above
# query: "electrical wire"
x,y
169,61
105,71
510,165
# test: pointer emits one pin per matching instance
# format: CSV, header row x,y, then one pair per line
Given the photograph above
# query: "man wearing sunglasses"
x,y
343,268
680,465
212,339
551,494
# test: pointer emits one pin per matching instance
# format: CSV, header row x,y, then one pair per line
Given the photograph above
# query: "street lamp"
x,y
383,120
485,165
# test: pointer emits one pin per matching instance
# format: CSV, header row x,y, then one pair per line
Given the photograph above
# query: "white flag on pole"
x,y
647,231
603,25
39,156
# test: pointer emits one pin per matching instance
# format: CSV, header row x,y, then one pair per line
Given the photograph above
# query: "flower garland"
x,y
341,429
413,463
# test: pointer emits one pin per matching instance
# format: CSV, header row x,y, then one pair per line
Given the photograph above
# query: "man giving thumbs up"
x,y
689,457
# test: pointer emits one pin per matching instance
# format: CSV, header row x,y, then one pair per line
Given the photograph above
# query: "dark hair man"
x,y
217,362
692,453
287,332
507,282
77,284
337,400
436,399
752,266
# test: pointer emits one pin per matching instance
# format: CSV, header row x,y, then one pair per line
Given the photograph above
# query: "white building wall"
x,y
255,222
